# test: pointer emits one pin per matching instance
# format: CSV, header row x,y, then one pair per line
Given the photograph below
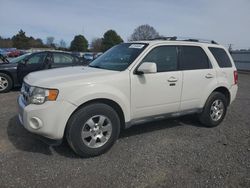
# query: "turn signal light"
x,y
52,94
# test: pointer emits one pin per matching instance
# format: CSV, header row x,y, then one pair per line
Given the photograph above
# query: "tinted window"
x,y
119,57
221,57
20,58
63,58
77,59
37,58
165,58
193,57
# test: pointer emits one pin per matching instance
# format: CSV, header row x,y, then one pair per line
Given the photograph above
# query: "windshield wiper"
x,y
4,60
95,66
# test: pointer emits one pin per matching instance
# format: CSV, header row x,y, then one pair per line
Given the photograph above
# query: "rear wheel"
x,y
5,83
93,129
214,110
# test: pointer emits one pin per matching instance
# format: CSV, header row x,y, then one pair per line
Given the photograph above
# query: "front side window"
x,y
221,57
119,57
165,58
37,58
20,58
193,57
63,58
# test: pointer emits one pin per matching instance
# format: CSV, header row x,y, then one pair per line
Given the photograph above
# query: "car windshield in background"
x,y
119,57
20,58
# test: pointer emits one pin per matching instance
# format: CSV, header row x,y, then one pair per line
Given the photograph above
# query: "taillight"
x,y
235,77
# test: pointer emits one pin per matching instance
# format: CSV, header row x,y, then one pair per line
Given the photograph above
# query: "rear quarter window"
x,y
221,57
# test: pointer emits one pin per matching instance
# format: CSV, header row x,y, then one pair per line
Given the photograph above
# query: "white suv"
x,y
131,83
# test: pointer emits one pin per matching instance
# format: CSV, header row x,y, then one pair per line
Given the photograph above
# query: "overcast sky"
x,y
226,21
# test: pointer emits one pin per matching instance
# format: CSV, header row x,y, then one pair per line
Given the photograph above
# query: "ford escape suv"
x,y
131,83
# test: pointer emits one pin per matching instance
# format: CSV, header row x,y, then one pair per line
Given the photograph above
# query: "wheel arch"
x,y
10,75
219,88
7,73
106,101
225,92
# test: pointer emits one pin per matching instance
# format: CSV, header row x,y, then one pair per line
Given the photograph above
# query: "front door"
x,y
157,93
34,62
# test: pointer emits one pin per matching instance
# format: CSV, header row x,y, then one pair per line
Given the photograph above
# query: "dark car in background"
x,y
88,57
13,71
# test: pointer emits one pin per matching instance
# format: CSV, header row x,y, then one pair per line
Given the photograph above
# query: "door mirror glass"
x,y
147,68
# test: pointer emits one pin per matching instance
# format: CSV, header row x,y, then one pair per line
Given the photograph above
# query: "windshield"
x,y
18,59
119,57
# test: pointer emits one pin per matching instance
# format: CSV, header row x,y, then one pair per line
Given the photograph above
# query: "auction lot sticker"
x,y
138,46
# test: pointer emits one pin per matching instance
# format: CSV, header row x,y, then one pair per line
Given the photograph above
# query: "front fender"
x,y
99,91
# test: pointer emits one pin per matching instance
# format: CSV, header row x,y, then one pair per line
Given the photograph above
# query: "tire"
x,y
208,117
83,134
6,83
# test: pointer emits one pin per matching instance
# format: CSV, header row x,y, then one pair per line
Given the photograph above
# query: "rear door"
x,y
62,60
198,76
35,62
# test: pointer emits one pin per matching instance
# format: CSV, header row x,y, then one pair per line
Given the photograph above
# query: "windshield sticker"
x,y
138,46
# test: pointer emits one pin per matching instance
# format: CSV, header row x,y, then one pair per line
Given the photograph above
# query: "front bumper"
x,y
48,120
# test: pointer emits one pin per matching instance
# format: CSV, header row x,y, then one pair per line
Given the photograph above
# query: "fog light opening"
x,y
35,123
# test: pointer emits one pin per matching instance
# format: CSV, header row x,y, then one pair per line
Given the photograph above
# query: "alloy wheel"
x,y
217,110
96,131
3,83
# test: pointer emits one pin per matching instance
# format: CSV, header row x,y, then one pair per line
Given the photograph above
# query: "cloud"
x,y
226,21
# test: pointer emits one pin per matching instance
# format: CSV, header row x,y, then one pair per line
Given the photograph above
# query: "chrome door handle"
x,y
209,76
172,79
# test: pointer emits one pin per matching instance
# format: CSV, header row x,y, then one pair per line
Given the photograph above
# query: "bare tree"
x,y
62,44
144,32
96,45
50,41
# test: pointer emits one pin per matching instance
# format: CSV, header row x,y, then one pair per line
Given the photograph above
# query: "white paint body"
x,y
138,96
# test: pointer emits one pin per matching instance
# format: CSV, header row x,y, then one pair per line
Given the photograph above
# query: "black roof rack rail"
x,y
164,38
174,38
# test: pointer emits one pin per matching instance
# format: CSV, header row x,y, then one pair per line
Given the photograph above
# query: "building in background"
x,y
241,59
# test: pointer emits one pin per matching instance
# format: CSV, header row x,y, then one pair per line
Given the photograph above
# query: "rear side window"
x,y
221,57
62,58
193,57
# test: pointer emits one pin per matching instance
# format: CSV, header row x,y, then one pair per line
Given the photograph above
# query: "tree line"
x,y
79,43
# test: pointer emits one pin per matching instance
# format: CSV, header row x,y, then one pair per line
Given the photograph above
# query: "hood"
x,y
8,65
56,78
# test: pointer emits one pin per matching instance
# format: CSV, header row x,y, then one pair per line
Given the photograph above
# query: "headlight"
x,y
41,95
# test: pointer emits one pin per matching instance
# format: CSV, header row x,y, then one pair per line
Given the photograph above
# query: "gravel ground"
x,y
169,153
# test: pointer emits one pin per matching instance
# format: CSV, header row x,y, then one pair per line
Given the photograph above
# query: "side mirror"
x,y
147,68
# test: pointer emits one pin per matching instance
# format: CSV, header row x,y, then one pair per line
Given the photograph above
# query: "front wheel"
x,y
5,83
214,110
93,129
